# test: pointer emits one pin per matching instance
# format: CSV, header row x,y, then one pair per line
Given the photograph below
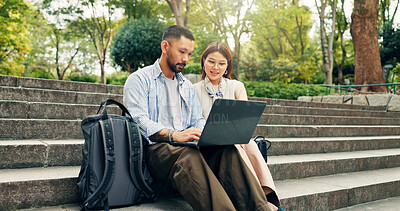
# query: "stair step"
x,y
55,96
339,190
314,193
309,165
58,85
164,203
297,103
286,119
35,187
46,110
328,112
295,146
282,131
40,153
49,110
40,129
389,204
70,129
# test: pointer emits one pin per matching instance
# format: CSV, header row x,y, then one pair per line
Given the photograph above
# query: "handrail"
x,y
349,87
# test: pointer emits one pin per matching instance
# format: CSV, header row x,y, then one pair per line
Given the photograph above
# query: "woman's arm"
x,y
240,92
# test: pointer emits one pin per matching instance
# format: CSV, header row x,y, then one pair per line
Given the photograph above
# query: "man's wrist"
x,y
170,135
164,135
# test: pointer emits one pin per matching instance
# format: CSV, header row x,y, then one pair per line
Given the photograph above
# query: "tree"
x,y
14,37
327,48
100,29
203,39
280,30
135,9
137,43
384,12
230,18
364,32
66,39
181,18
284,32
390,45
342,26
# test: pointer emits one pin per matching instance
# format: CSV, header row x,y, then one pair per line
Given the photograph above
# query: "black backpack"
x,y
113,172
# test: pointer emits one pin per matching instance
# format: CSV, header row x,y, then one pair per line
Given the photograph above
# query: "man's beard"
x,y
173,67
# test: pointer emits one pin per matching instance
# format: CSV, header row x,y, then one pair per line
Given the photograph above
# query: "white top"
x,y
234,90
171,115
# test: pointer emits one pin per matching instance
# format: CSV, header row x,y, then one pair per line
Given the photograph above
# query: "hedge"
x,y
282,90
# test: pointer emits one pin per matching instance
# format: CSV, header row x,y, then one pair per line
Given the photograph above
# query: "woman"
x,y
216,64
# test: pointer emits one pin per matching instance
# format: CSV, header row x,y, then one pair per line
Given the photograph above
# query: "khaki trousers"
x,y
212,178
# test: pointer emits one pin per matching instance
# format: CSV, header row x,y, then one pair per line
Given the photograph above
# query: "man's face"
x,y
179,53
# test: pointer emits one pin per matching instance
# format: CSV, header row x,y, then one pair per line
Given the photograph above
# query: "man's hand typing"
x,y
168,135
187,135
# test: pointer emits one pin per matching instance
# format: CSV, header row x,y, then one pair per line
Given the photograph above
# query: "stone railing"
x,y
390,101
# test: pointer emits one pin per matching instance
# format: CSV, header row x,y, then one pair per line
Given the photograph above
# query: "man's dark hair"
x,y
176,32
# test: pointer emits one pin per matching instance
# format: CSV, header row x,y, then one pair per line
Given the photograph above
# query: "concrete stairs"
x,y
323,156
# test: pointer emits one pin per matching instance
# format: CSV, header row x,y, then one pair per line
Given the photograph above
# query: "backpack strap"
x,y
100,194
263,145
136,160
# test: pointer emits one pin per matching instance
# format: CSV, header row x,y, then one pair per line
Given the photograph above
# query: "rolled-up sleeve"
x,y
136,100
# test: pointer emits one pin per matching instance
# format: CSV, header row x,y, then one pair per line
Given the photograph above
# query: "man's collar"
x,y
158,73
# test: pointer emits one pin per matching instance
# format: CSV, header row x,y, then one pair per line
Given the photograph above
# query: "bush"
x,y
192,68
137,43
117,78
282,90
84,77
39,73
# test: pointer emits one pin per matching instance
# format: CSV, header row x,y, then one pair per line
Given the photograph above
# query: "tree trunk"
x,y
331,37
103,72
341,29
186,18
364,32
177,8
324,44
56,33
237,58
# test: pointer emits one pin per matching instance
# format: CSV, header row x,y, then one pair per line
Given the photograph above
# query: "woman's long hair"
x,y
224,50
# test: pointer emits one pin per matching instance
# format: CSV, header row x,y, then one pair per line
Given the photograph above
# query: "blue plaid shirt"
x,y
143,91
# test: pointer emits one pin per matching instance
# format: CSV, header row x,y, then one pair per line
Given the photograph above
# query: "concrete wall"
x,y
390,100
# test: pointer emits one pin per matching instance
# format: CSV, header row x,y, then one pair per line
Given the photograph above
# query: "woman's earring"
x,y
226,72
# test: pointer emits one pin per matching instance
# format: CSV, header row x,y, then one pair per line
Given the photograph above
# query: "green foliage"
x,y
282,69
84,77
396,74
280,28
193,68
14,37
282,90
38,72
284,50
137,44
203,39
390,45
135,9
117,78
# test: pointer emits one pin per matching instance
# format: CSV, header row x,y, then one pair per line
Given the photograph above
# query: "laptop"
x,y
230,122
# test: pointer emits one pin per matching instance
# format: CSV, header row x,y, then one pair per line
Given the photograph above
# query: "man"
x,y
165,106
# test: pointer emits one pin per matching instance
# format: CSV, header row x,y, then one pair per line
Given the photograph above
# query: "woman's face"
x,y
215,65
